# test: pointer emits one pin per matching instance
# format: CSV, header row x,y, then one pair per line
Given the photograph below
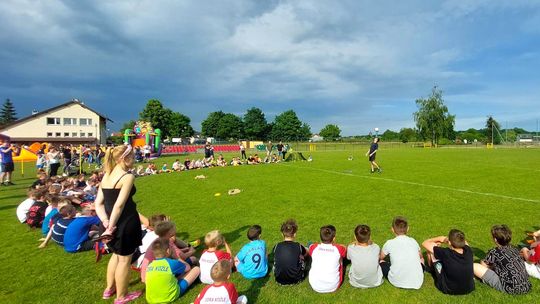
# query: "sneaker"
x,y
380,171
195,243
10,183
129,297
108,293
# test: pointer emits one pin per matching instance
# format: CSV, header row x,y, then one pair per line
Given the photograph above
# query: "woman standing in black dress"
x,y
118,213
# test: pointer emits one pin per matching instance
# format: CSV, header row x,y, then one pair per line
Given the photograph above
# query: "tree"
x,y
432,118
209,126
492,130
229,127
390,135
127,125
7,114
330,132
255,125
288,127
407,135
179,125
157,115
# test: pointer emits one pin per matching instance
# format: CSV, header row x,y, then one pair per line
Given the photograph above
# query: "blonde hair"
x,y
213,239
113,158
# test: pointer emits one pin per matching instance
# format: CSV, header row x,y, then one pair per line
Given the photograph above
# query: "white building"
x,y
71,122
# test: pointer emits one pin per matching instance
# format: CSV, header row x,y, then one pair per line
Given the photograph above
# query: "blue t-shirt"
x,y
374,147
77,232
7,157
47,221
253,260
59,230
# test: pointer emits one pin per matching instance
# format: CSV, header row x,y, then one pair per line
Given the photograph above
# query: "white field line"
x,y
424,185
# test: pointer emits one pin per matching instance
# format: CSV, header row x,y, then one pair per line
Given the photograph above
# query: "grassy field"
x,y
436,189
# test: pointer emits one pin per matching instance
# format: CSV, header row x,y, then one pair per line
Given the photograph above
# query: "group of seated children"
x,y
63,209
209,162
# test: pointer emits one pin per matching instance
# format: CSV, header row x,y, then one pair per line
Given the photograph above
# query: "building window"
x,y
85,121
90,134
58,134
83,134
49,134
74,134
66,134
53,120
70,121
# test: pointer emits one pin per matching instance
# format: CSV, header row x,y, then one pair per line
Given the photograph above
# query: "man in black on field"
x,y
371,153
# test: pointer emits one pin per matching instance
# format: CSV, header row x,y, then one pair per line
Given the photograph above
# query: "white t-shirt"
x,y
23,209
147,240
207,260
365,271
405,267
326,267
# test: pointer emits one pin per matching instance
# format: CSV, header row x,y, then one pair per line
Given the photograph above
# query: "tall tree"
x,y
288,127
7,114
209,126
255,124
229,127
330,132
179,125
492,130
432,118
159,116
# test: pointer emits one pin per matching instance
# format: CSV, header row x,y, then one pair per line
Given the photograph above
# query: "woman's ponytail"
x,y
109,162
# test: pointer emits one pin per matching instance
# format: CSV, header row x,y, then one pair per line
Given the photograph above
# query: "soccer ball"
x,y
376,129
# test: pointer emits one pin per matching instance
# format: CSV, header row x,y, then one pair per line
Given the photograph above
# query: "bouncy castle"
x,y
142,135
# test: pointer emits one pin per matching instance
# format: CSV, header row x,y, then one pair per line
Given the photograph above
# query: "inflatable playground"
x,y
143,135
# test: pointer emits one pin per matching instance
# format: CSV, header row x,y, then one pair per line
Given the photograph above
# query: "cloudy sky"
x,y
358,64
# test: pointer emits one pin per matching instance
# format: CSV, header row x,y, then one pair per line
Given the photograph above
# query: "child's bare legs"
x,y
191,275
430,259
121,275
373,163
111,268
480,269
186,253
525,253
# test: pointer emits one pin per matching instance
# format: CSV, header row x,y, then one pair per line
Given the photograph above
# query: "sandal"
x,y
129,297
108,293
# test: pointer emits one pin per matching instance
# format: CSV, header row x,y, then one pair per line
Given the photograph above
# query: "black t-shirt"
x,y
289,264
279,147
457,270
509,266
374,147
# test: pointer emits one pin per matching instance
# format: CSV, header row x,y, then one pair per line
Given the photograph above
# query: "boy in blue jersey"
x,y
252,260
167,279
372,153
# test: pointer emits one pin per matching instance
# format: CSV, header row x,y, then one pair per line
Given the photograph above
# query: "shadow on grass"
x,y
8,207
234,235
479,253
254,290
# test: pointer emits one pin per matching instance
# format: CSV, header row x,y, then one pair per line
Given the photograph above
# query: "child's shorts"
x,y
492,279
183,284
533,270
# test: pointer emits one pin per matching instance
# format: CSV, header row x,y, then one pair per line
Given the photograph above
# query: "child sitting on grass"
x,y
326,266
167,230
364,255
166,278
80,233
221,291
24,206
503,268
532,257
289,256
58,230
452,267
213,240
149,237
252,260
405,269
36,213
54,207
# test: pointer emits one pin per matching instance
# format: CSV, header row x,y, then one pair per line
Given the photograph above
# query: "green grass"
x,y
436,189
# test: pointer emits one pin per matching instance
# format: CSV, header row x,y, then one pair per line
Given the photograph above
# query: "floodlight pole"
x,y
492,132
